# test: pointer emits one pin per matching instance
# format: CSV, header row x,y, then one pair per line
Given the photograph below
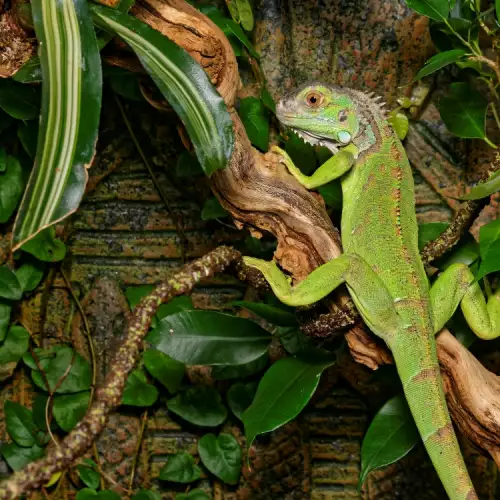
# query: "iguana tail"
x,y
418,368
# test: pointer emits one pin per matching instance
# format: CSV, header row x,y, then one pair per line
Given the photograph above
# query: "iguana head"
x,y
321,114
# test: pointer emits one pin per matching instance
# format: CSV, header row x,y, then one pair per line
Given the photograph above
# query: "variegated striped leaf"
x,y
71,103
184,84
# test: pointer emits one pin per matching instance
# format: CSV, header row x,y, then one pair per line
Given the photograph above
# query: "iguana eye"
x,y
314,99
342,115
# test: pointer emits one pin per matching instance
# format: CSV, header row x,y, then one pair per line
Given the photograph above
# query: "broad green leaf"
x,y
399,122
5,310
91,494
55,364
69,409
438,61
165,369
497,9
212,209
209,338
489,248
221,455
435,9
18,457
19,101
391,435
180,468
187,165
484,189
71,104
302,153
135,294
19,424
233,10
184,84
146,495
12,348
127,85
200,405
463,111
89,475
272,314
195,494
138,391
30,72
240,397
39,405
45,247
9,286
245,13
28,135
240,371
465,254
11,187
255,118
30,274
3,161
429,231
292,339
332,194
283,392
267,99
175,305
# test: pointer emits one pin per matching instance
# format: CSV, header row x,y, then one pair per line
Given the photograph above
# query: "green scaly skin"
x,y
381,265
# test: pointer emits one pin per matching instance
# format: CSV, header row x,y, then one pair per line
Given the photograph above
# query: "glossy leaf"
x,y
465,254
429,231
275,315
195,494
135,294
221,455
240,371
240,397
19,424
88,474
184,84
19,101
11,187
175,305
399,122
212,209
245,13
138,391
5,310
28,135
29,275
255,118
146,495
71,103
3,161
489,248
292,339
301,152
267,99
209,338
91,494
200,405
484,189
332,194
180,468
391,435
45,247
438,61
435,9
18,457
463,111
69,409
12,348
165,369
497,9
126,85
30,72
9,286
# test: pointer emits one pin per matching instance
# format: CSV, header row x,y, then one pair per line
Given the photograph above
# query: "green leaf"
x,y
240,397
255,118
55,364
135,294
89,476
332,194
272,314
9,286
292,339
465,254
463,111
196,494
200,405
30,72
19,101
19,424
91,494
180,468
484,189
138,392
28,135
439,61
435,9
429,231
209,338
267,99
45,247
212,209
11,188
301,152
29,275
126,85
165,369
146,495
240,371
5,310
391,435
3,161
187,165
497,9
18,457
71,104
69,409
38,409
221,456
184,84
175,305
489,248
245,13
283,392
399,122
12,349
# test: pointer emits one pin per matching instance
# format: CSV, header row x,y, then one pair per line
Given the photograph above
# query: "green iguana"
x,y
381,265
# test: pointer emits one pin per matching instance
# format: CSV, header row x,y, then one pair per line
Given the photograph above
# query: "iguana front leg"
x,y
332,169
456,286
368,291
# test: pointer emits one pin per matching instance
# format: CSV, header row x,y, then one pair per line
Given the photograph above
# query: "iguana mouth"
x,y
316,140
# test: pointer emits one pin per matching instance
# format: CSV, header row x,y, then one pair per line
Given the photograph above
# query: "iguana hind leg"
x,y
456,286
